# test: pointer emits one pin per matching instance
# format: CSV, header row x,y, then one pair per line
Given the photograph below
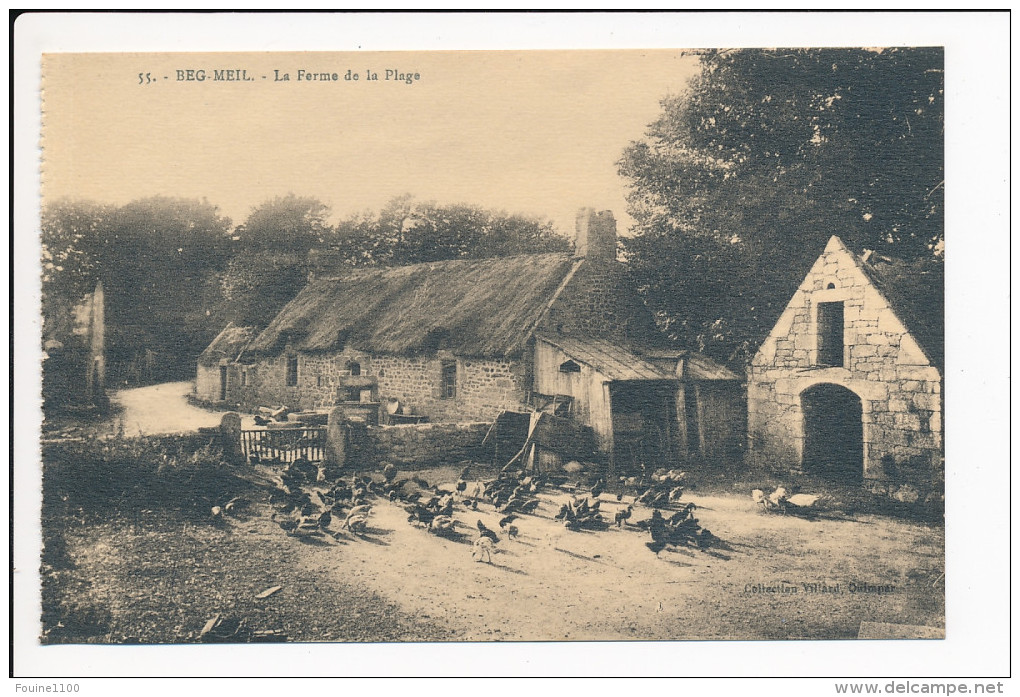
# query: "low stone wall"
x,y
426,445
410,447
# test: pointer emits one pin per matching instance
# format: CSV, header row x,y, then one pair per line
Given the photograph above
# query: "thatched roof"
x,y
228,345
487,308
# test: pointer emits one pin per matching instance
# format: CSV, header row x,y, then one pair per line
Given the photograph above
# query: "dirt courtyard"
x,y
556,584
161,581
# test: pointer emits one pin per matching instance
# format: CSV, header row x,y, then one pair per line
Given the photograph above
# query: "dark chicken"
x,y
623,516
485,532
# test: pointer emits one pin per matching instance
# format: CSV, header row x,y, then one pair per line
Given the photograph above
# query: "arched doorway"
x,y
833,433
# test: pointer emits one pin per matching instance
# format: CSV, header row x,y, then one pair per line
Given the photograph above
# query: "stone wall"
x,y
485,387
899,389
426,445
207,383
601,301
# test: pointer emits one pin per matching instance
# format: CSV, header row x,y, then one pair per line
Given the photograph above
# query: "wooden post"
x,y
681,420
701,420
495,443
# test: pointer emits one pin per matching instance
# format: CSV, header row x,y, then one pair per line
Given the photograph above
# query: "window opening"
x,y
292,371
830,333
449,379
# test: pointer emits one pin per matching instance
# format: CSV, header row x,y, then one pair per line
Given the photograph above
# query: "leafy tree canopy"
x,y
407,231
71,231
739,183
286,238
290,223
153,257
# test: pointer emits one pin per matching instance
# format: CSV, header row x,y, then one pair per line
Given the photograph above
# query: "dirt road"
x,y
164,408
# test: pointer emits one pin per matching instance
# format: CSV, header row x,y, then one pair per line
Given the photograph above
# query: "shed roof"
x,y
486,307
698,366
692,365
228,344
612,360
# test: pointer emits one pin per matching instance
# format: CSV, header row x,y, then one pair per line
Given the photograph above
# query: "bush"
x,y
171,472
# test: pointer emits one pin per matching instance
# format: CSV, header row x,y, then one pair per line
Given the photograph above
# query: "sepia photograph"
x,y
494,346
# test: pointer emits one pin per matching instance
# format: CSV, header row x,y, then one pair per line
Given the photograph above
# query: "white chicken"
x,y
356,523
803,500
482,550
778,498
758,496
441,524
362,510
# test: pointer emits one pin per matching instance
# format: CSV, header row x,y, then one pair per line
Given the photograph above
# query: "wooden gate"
x,y
284,444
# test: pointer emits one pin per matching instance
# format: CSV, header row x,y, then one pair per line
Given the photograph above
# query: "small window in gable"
x,y
830,333
354,367
570,367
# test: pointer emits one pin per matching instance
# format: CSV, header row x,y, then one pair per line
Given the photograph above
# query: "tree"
x,y
154,256
271,262
289,224
741,181
408,232
256,284
70,231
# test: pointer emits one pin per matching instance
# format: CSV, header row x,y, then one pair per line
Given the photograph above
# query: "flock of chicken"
x,y
303,506
299,515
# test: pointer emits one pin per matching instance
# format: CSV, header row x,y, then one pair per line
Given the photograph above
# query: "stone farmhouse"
x,y
848,384
219,375
465,340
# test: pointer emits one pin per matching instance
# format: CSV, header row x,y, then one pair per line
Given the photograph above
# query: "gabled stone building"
x,y
848,385
219,379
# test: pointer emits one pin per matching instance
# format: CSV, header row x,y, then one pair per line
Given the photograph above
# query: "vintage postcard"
x,y
432,346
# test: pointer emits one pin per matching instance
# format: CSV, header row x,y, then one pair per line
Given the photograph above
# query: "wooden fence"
x,y
284,444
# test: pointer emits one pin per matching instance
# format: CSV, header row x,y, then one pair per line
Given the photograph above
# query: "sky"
x,y
535,132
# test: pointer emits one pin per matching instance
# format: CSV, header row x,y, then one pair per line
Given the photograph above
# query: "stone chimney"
x,y
595,235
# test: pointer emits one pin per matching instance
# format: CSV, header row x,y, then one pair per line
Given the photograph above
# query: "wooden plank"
x,y
268,592
701,418
681,420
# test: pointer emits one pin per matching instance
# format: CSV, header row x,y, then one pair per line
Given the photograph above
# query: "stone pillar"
x,y
336,444
230,430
